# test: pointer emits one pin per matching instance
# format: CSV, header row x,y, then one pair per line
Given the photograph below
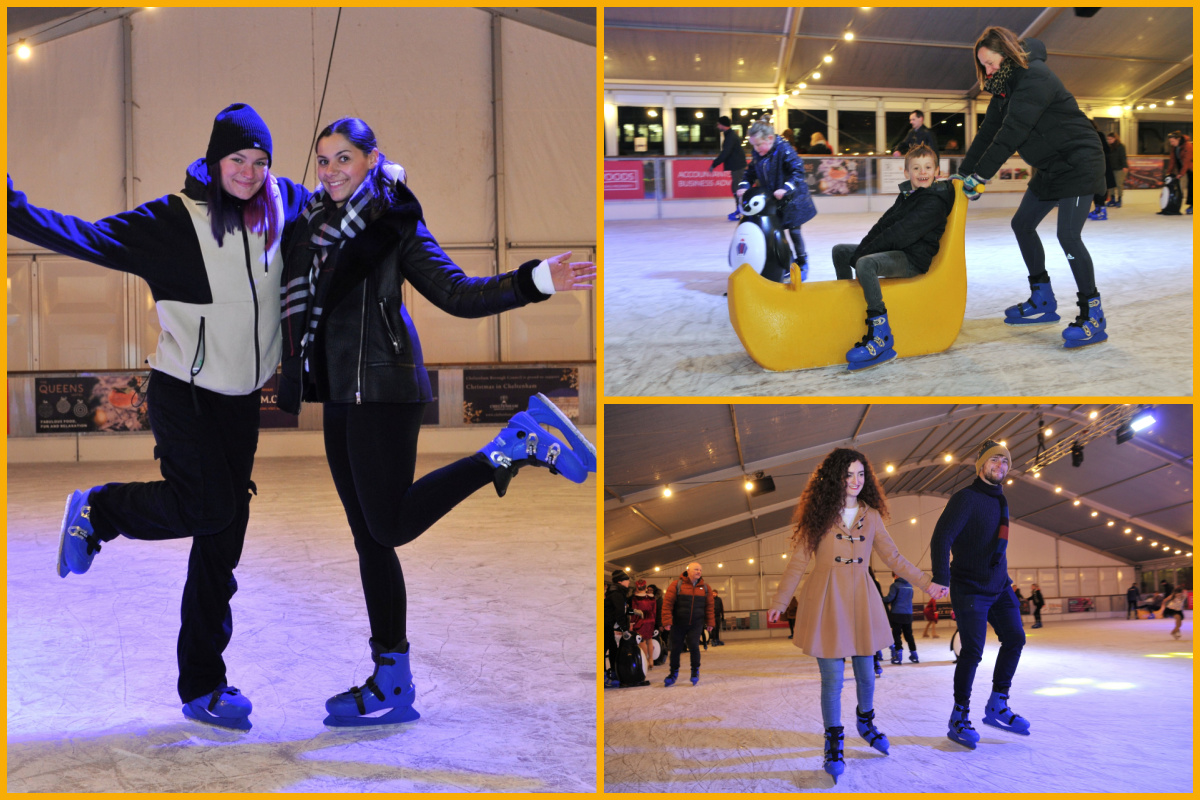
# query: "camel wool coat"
x,y
841,613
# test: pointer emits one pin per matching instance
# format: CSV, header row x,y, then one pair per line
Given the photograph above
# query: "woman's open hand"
x,y
570,275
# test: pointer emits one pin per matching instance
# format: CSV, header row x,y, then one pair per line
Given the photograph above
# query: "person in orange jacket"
x,y
688,608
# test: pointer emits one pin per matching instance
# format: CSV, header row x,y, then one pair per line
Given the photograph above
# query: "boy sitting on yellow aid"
x,y
900,245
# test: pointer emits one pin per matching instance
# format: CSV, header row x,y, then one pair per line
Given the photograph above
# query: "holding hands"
x,y
571,275
779,193
938,592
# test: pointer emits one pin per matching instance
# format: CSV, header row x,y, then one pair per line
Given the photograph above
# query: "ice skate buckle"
x,y
531,445
500,460
552,453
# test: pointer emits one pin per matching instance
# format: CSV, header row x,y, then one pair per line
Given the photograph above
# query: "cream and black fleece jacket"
x,y
218,305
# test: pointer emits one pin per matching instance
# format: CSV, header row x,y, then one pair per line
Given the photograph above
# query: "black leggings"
x,y
1072,213
372,453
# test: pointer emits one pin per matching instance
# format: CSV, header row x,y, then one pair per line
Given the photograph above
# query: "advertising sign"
x,y
1075,604
1145,172
493,395
690,178
623,180
108,402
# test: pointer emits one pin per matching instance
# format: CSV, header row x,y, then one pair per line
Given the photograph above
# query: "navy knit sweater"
x,y
974,528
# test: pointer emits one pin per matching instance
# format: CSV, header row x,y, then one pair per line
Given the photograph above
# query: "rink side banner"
x,y
690,178
1075,604
1145,172
623,180
493,395
114,402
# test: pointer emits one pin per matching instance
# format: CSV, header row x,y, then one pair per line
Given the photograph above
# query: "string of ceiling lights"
x,y
814,74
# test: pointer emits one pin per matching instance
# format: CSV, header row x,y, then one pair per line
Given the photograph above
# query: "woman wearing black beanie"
x,y
1032,114
213,297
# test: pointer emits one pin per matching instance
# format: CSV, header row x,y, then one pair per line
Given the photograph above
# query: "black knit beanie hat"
x,y
726,121
619,575
238,127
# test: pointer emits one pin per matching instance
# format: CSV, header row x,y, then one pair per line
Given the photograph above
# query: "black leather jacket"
x,y
366,349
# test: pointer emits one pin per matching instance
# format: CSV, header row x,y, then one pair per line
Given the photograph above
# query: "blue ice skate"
x,y
999,715
524,442
386,698
77,542
867,730
877,347
835,763
961,730
226,707
546,413
1041,307
1090,327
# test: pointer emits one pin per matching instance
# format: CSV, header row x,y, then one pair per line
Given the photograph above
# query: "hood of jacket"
x,y
195,182
1035,48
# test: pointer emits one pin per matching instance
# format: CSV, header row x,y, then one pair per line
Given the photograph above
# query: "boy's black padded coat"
x,y
914,225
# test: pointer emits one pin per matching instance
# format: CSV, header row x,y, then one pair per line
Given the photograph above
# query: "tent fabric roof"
x,y
704,453
1119,53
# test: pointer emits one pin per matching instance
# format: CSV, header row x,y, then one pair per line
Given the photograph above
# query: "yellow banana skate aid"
x,y
802,325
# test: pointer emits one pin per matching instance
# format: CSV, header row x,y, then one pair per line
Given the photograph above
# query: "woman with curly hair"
x,y
837,525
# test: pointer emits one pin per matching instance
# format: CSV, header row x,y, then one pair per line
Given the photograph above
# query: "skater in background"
x,y
974,528
778,171
1179,164
900,597
1032,114
931,620
219,237
919,135
616,622
732,159
1132,598
688,609
837,526
790,613
1173,605
1037,601
818,146
643,621
1119,164
718,618
350,345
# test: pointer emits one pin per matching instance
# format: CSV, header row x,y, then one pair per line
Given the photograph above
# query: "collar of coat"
x,y
366,252
859,516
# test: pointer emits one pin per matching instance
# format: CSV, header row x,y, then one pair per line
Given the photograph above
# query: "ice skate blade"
x,y
859,366
1044,319
541,406
967,743
224,723
396,716
995,723
1078,343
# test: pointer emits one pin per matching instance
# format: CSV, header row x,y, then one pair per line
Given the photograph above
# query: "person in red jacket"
x,y
687,609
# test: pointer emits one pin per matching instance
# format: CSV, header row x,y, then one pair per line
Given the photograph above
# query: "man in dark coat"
x,y
1132,598
732,158
974,528
616,619
718,617
917,136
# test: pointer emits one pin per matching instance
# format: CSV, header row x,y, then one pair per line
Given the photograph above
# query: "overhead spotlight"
x,y
752,561
890,468
848,36
1009,481
1111,523
656,569
667,491
1154,544
1077,502
1177,552
1003,443
719,566
1189,555
785,555
1138,539
803,85
948,458
650,112
816,76
1170,102
745,112
1093,415
1128,108
1188,96
1095,513
913,521
1154,105
760,485
627,569
1142,421
1139,108
1037,474
1049,431
23,50
699,115
1058,490
1129,530
1114,111
828,59
1076,454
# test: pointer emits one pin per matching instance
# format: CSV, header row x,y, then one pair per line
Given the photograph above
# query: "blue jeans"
x,y
832,672
975,612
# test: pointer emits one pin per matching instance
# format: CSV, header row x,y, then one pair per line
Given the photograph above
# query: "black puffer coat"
x,y
1039,119
914,224
366,348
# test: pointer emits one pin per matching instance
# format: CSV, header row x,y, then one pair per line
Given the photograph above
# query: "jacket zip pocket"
x,y
197,365
254,297
362,337
387,324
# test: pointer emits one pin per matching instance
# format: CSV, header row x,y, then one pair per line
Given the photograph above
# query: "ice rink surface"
x,y
1109,701
501,625
667,329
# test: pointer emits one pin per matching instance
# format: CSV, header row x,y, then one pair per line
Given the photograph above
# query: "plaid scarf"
x,y
330,226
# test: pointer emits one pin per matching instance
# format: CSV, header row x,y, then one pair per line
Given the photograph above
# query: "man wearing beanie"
x,y
732,158
973,528
616,621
